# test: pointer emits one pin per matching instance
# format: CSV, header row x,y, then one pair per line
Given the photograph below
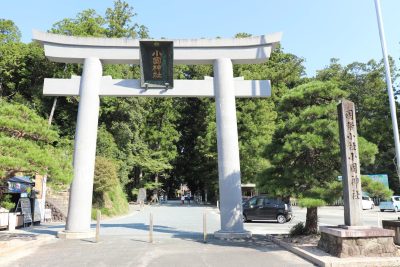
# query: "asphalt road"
x,y
178,240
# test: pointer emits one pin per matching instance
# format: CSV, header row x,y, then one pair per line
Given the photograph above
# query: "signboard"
x,y
14,187
382,178
156,64
25,205
19,184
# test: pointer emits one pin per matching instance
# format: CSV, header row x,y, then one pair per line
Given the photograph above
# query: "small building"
x,y
249,190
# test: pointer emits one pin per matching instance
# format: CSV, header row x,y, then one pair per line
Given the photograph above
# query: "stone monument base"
x,y
357,241
395,226
75,235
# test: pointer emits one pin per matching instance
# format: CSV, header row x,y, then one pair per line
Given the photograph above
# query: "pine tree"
x,y
304,152
29,146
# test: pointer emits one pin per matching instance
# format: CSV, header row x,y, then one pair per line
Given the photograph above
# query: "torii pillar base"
x,y
232,235
76,235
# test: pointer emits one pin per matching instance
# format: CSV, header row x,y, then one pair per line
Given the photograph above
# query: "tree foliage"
x,y
29,146
119,19
105,175
375,189
9,32
115,23
365,84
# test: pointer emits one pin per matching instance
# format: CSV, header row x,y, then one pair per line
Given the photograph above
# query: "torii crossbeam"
x,y
93,52
182,88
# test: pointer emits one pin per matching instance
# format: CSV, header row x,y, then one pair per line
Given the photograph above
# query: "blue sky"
x,y
316,30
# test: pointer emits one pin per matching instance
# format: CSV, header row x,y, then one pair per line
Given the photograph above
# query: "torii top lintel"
x,y
70,49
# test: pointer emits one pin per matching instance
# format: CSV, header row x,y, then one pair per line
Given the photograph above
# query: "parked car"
x,y
244,199
392,203
367,203
266,208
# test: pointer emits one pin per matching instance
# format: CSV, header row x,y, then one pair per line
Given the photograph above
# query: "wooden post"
x,y
151,229
204,227
379,219
98,226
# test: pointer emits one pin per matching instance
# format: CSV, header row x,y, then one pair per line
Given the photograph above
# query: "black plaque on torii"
x,y
156,64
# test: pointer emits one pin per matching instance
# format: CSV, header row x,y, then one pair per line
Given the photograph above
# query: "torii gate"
x,y
93,52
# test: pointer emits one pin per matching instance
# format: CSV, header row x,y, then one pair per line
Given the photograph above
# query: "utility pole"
x,y
389,85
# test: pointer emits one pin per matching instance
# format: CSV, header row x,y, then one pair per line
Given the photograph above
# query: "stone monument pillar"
x,y
228,153
351,177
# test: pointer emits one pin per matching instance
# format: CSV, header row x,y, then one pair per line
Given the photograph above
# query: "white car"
x,y
393,203
367,203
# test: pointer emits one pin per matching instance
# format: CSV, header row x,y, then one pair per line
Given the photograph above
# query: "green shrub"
x,y
297,229
108,195
114,203
7,203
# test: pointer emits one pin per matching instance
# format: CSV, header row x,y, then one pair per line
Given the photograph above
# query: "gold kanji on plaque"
x,y
156,64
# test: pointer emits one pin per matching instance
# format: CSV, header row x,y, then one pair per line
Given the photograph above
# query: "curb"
x,y
299,252
337,262
8,247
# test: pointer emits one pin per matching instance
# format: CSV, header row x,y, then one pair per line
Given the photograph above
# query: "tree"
x,y
12,67
29,146
256,124
284,70
119,18
365,84
161,135
304,152
105,175
9,32
374,188
196,162
86,23
116,23
106,146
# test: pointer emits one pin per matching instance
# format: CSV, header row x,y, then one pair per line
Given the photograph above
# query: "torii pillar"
x,y
230,191
94,52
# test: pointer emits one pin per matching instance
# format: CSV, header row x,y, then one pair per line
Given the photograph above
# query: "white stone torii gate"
x,y
93,52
